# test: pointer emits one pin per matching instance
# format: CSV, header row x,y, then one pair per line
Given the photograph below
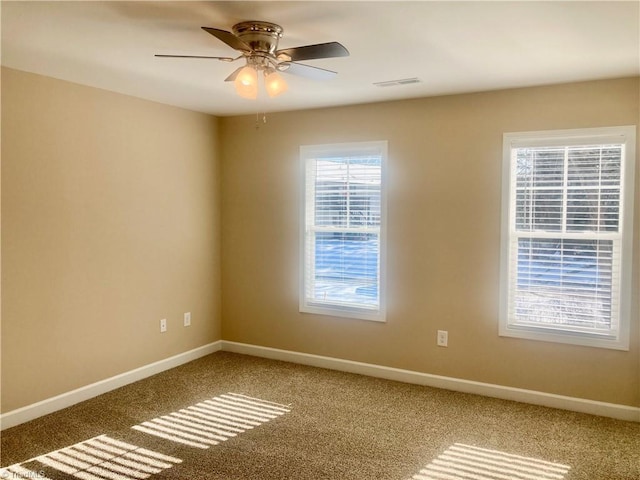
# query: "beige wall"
x,y
444,180
110,222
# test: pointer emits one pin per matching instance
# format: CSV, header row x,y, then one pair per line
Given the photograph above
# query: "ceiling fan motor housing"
x,y
262,37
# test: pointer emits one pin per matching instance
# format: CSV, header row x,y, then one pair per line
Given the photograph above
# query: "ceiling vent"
x,y
395,83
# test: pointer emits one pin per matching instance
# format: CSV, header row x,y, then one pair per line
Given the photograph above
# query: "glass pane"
x,y
594,166
593,196
347,192
346,268
539,167
539,210
593,210
331,200
364,205
564,282
539,193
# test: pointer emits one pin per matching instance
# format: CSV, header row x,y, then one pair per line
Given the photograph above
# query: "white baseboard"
x,y
50,405
621,412
35,410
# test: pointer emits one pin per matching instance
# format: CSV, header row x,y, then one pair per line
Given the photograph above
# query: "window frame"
x,y
310,153
625,135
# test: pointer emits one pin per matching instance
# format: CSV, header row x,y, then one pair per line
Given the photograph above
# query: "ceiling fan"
x,y
257,42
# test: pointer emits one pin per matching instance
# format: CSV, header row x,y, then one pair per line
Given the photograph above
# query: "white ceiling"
x,y
452,47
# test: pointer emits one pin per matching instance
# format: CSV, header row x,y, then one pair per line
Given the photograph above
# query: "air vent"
x,y
394,83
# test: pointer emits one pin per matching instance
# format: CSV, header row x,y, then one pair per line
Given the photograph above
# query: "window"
x,y
342,234
567,236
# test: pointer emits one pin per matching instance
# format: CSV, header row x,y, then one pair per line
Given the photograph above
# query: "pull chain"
x,y
264,119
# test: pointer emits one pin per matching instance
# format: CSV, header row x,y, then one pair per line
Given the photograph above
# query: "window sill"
x,y
562,336
341,312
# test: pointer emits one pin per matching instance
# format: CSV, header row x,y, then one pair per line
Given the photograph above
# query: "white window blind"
x,y
566,253
342,261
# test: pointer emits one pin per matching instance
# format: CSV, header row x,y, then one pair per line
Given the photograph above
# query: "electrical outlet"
x,y
443,338
187,319
163,325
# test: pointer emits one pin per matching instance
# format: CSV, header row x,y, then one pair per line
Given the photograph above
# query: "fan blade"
x,y
228,38
307,71
233,76
222,59
310,52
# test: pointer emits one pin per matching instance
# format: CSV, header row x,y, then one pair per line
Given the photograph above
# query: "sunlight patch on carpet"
x,y
466,462
98,458
213,421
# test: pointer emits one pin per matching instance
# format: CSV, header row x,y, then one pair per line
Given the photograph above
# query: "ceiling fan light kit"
x,y
246,82
257,41
246,78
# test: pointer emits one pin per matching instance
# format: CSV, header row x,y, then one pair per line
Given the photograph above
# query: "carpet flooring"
x,y
235,417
